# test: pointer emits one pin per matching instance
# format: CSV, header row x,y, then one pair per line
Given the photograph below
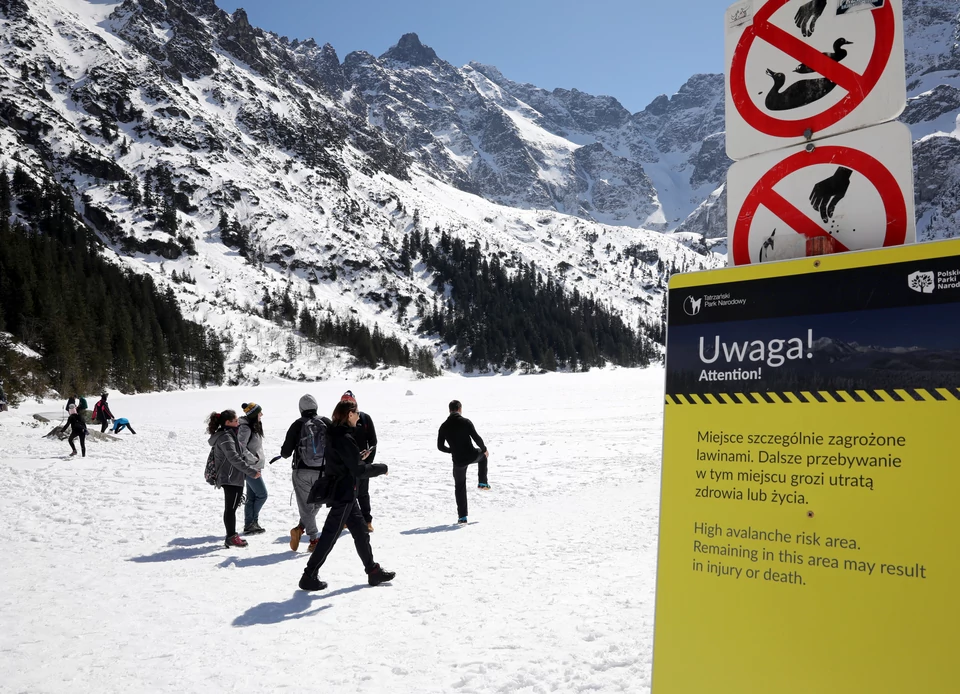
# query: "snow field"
x,y
116,578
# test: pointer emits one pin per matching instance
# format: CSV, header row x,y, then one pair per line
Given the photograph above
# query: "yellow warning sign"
x,y
810,486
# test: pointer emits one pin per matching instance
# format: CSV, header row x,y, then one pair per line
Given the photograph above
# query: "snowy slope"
x,y
142,85
115,577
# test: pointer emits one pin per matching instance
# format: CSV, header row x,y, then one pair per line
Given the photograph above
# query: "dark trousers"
x,y
460,481
103,424
121,427
231,502
83,446
363,498
342,512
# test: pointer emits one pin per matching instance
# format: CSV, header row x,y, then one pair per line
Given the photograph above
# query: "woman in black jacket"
x,y
343,463
78,428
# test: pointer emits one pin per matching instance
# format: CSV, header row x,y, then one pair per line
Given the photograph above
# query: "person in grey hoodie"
x,y
304,475
250,435
233,464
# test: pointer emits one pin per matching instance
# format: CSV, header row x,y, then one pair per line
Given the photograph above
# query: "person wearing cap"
x,y
304,476
78,429
250,436
366,437
456,436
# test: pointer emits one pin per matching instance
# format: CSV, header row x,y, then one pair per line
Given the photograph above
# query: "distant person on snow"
x,y
78,429
344,464
233,464
306,470
121,424
3,399
102,413
366,437
458,431
250,435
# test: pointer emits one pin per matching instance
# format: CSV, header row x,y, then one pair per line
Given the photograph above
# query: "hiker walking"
x,y
250,435
102,413
233,465
344,465
366,437
78,429
456,436
307,462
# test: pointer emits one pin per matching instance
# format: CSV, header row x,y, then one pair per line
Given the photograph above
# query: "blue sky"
x,y
633,50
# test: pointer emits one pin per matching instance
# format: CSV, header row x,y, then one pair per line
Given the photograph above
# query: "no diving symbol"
x,y
832,72
763,193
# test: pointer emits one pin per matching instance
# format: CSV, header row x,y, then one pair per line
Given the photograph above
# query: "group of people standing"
x,y
333,462
77,421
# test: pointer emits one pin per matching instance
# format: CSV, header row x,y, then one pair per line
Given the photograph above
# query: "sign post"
x,y
802,74
809,480
798,71
849,192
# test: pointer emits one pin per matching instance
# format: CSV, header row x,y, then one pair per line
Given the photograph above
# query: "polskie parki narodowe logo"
x,y
926,282
693,305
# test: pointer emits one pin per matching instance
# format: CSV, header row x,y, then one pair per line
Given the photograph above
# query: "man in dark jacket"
x,y
366,437
304,474
456,436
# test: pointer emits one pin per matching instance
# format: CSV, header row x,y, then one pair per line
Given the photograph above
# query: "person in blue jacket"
x,y
120,424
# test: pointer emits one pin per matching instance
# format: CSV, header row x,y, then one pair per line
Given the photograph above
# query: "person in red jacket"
x,y
102,413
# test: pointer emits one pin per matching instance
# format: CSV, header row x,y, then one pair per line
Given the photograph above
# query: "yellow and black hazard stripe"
x,y
771,397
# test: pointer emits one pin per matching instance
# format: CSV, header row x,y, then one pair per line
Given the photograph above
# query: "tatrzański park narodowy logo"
x,y
692,306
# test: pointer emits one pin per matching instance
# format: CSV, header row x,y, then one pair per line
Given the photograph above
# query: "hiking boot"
x,y
378,575
234,541
462,520
295,535
370,526
313,544
483,485
256,525
308,582
253,529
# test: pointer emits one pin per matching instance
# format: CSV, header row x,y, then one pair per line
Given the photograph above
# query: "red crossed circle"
x,y
895,207
857,86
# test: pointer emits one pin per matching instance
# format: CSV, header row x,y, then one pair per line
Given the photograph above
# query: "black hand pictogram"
x,y
807,16
828,192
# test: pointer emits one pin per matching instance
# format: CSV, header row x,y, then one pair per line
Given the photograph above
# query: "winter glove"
x,y
376,469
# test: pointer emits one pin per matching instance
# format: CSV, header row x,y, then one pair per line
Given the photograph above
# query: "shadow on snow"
x,y
434,529
267,560
183,548
296,607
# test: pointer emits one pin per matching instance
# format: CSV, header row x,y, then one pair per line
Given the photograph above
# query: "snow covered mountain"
x,y
932,47
279,178
286,172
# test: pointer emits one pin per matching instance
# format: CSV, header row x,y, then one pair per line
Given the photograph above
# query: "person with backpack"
x,y
343,464
102,413
458,432
232,465
306,442
78,429
366,437
250,435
